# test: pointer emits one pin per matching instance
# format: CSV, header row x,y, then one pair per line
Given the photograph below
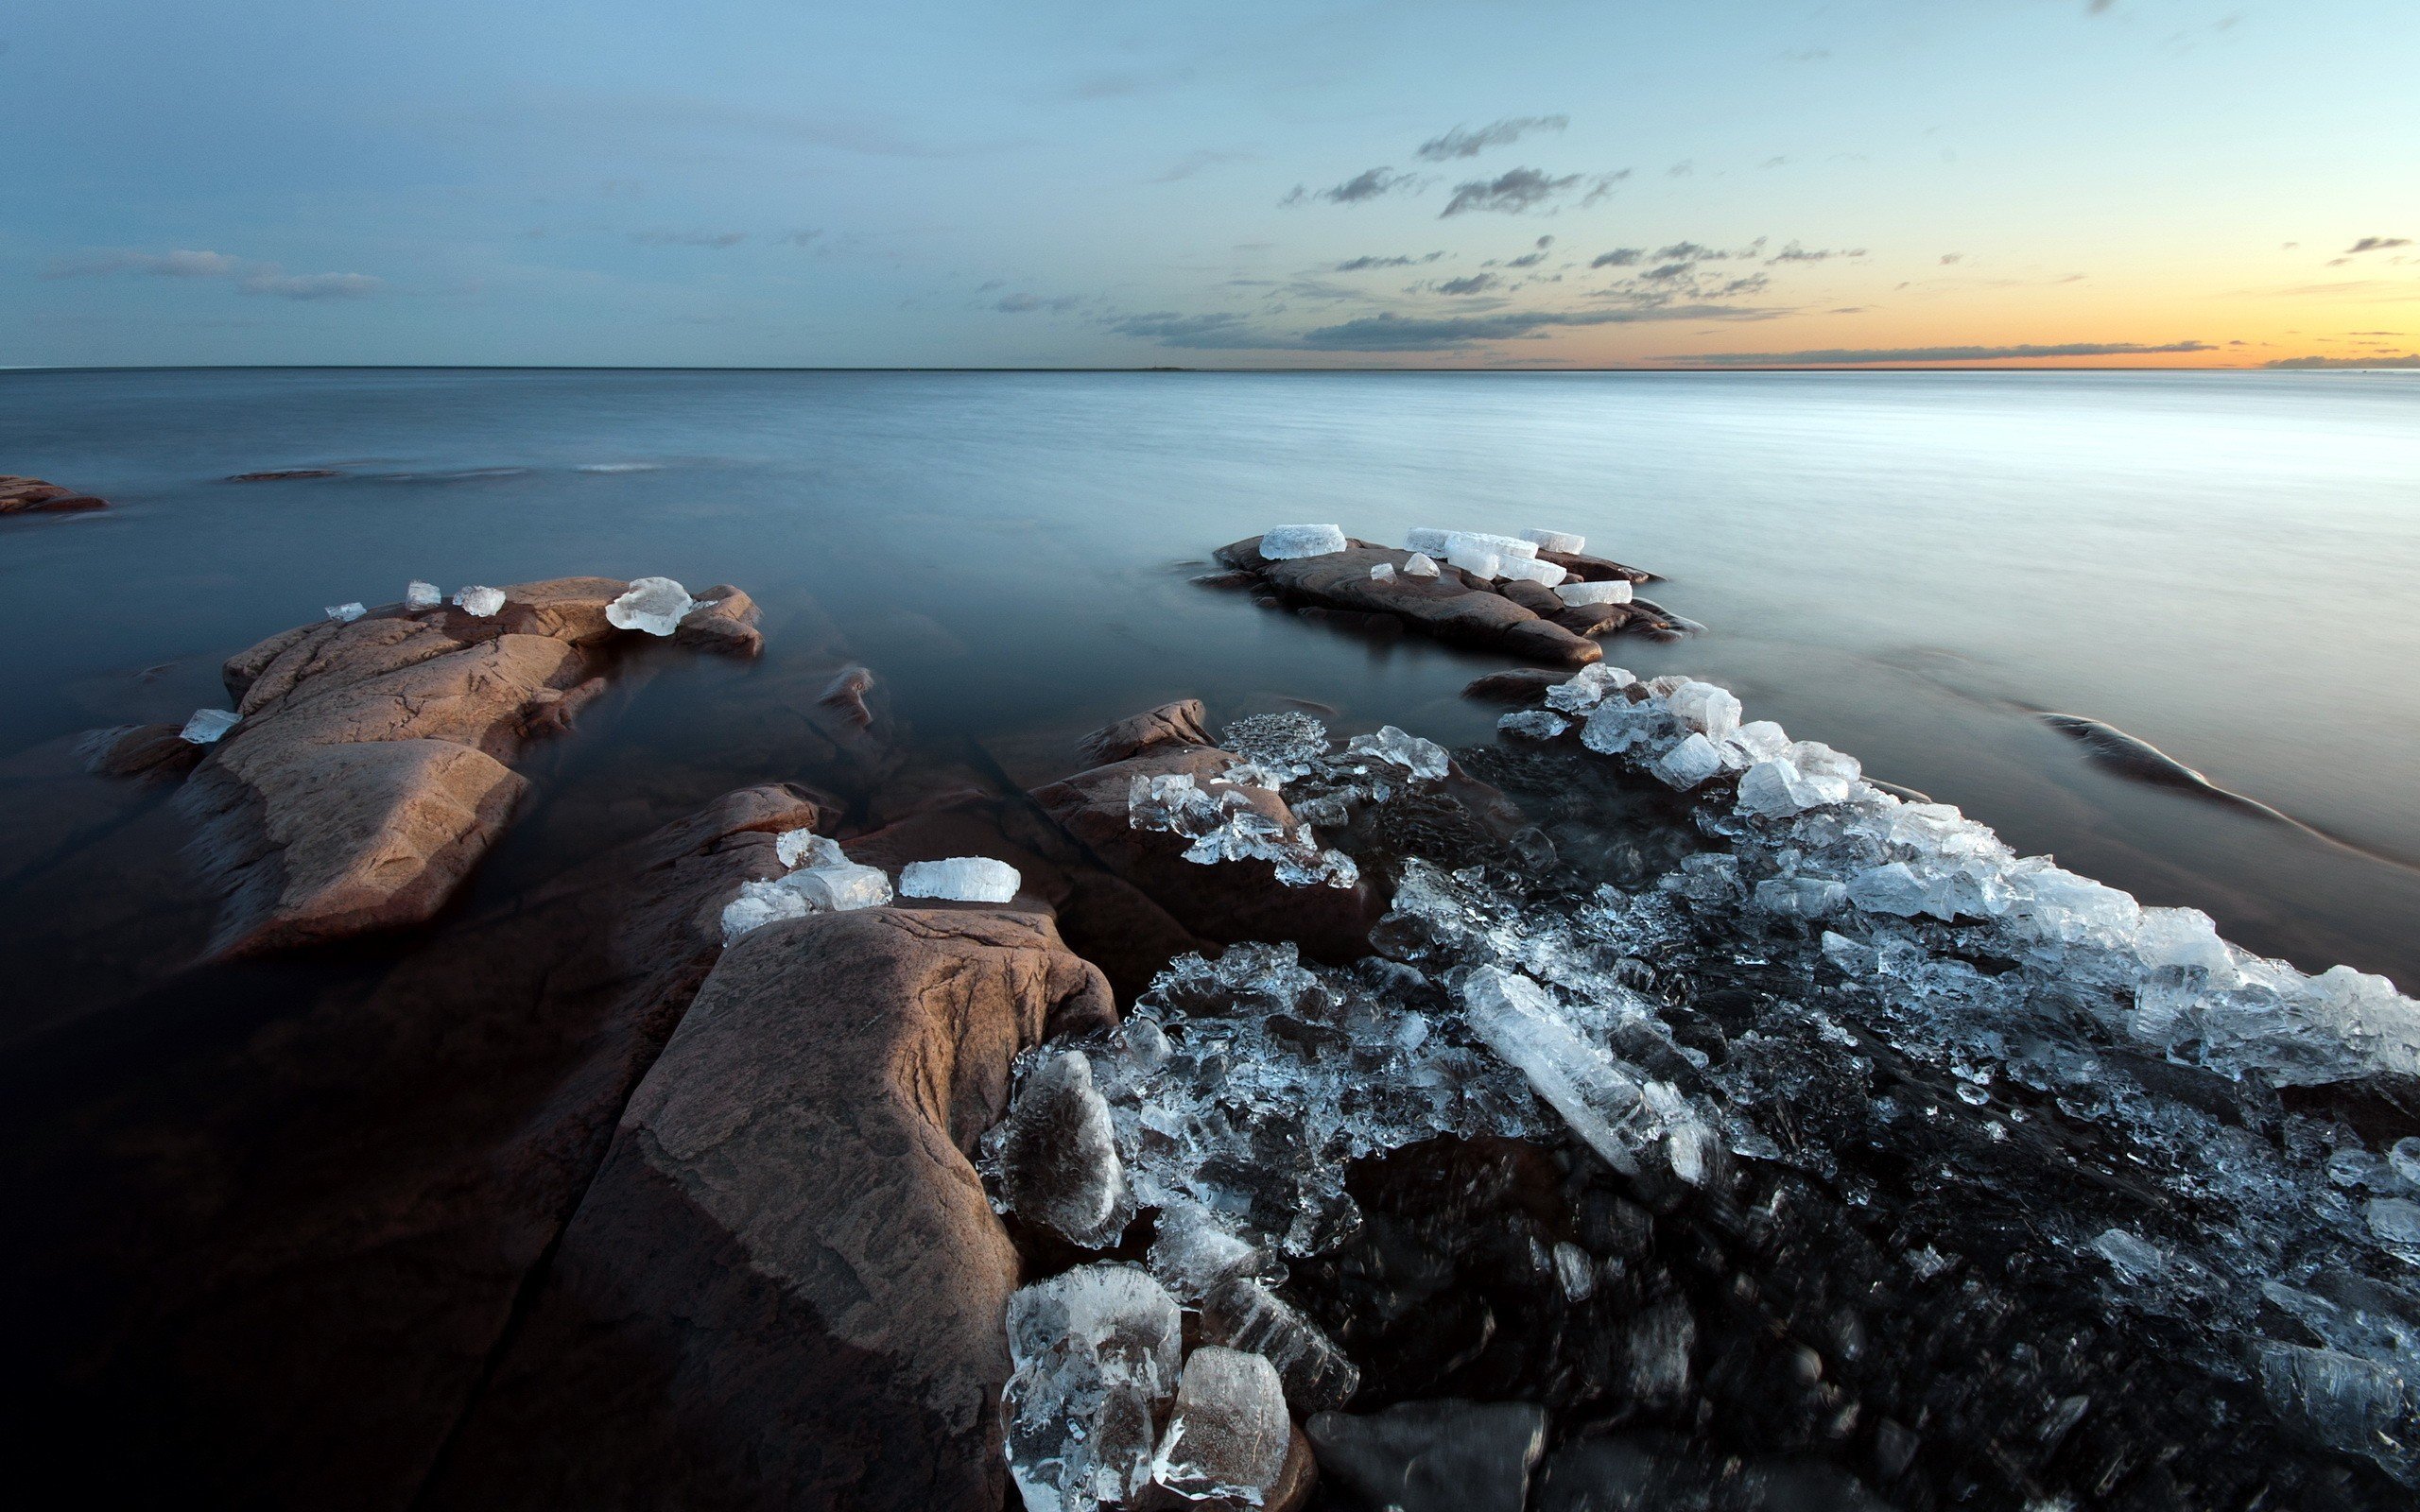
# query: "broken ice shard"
x,y
838,888
1533,724
1587,688
1422,539
963,879
1424,758
1617,1111
1191,1253
1094,1353
1776,789
804,847
1475,560
481,601
1230,1434
653,605
1382,572
1420,565
1556,540
1288,542
760,903
1688,763
1705,708
1577,593
347,613
1482,540
1311,1371
1059,1163
207,725
421,594
1544,574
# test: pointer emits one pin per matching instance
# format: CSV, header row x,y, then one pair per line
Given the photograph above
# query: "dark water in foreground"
x,y
1904,565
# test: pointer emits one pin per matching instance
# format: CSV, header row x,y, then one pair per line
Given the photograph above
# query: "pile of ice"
x,y
1226,824
1287,543
1483,554
821,880
653,605
965,878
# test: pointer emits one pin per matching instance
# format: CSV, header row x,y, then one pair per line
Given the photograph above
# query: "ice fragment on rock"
x,y
1575,1269
1288,542
1382,572
1420,565
481,601
1606,1104
1095,1353
1312,1371
653,605
1482,540
420,594
1191,1254
2134,1260
1617,591
1229,1432
760,903
840,886
2395,1222
207,725
804,847
1711,710
1688,763
1533,724
347,613
1587,688
964,879
1059,1163
1475,560
1555,541
1425,538
1424,758
1525,569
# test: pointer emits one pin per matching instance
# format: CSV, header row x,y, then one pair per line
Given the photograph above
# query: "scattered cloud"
x,y
1526,260
1362,264
1947,258
1510,193
1855,357
1206,332
716,239
1459,143
1681,169
1618,257
2409,359
248,275
1372,184
1020,304
2376,244
1476,283
1602,185
1402,333
1193,163
1795,253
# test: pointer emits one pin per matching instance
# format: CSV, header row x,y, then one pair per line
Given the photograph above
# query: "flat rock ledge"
x,y
1521,618
19,495
369,772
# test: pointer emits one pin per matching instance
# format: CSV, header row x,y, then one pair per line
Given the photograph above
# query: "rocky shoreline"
x,y
1643,1109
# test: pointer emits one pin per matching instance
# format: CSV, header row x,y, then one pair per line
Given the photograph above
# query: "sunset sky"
x,y
1521,183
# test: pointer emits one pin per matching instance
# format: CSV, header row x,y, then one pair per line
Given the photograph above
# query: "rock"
x,y
1535,597
1229,1437
846,692
1544,640
1627,1471
1592,619
1227,901
296,1252
723,621
570,609
785,1286
19,495
153,751
1521,685
1434,1456
1455,606
285,474
1178,722
1596,569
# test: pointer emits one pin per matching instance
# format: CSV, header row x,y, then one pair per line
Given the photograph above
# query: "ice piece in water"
x,y
1776,789
481,601
1314,1374
1422,539
1382,572
1587,688
1556,540
804,847
1617,592
1477,561
421,594
1288,542
1705,708
1192,1255
1688,763
1574,1270
1501,545
1095,1353
1058,1164
965,878
1520,1022
1421,565
655,605
347,613
1533,724
1230,1434
1544,574
2395,1222
207,725
1424,758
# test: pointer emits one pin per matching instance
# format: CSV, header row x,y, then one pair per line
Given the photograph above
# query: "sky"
x,y
1523,184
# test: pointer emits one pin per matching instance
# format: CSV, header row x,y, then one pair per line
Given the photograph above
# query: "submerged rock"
x,y
1435,1456
23,495
724,621
1170,724
1454,606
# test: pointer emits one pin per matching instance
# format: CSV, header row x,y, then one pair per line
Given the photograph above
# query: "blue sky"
x,y
1519,182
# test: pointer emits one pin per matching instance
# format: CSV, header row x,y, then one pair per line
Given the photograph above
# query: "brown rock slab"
x,y
140,751
1597,569
1178,722
1522,685
22,496
1451,607
785,1288
1223,903
1593,619
724,621
1535,597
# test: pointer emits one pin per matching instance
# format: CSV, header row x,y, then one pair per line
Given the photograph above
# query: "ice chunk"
x,y
2182,937
1420,565
1311,1371
1424,758
653,605
2395,1222
1555,541
1705,708
347,613
1288,542
1423,539
1230,1434
207,725
1688,763
804,847
1596,1095
482,602
1575,1270
419,595
1477,561
1801,897
1382,572
1192,1255
1058,1164
1587,688
2404,1159
1096,1354
1449,1455
1617,725
1544,574
965,878
760,903
1584,593
840,886
1533,724
1777,789
1501,545
1288,738
2354,1405
1762,740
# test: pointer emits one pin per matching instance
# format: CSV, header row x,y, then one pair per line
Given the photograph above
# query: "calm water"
x,y
1902,564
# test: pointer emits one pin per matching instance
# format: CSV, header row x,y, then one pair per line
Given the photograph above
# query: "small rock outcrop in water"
x,y
785,1286
33,496
1519,616
369,772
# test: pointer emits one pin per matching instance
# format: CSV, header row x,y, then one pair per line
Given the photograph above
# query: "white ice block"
x,y
1421,565
1544,574
1556,540
1583,593
1382,572
1288,542
347,613
963,879
653,605
207,725
420,593
482,601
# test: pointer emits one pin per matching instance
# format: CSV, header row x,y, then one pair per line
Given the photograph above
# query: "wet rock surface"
x,y
23,495
784,1286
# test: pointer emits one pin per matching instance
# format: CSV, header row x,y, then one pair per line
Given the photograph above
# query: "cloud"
x,y
1207,332
1510,193
1362,264
1526,260
716,239
1400,333
1476,283
2409,359
1020,304
1193,163
1619,257
1795,253
1947,258
1850,356
1458,143
1601,186
1372,184
2376,244
249,276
